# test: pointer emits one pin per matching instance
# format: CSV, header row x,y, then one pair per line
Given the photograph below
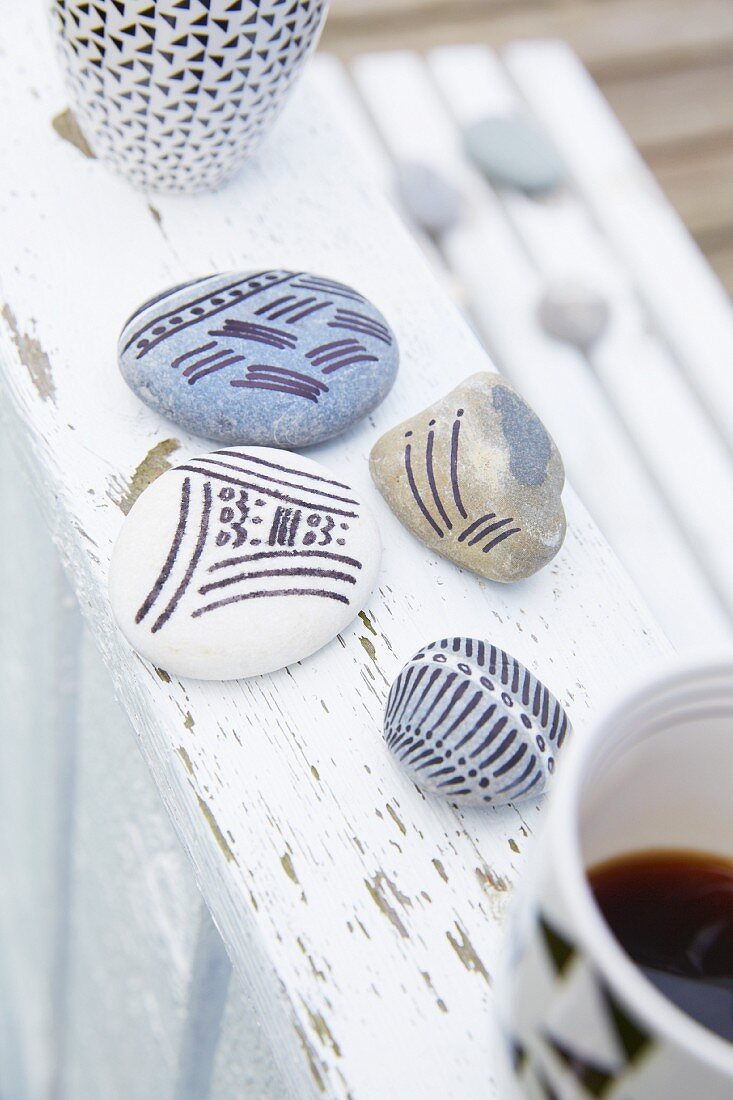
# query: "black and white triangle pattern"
x,y
175,93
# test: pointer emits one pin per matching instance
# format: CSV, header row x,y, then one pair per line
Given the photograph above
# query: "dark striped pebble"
x,y
468,721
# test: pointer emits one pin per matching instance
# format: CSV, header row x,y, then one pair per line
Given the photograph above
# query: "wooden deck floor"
x,y
666,67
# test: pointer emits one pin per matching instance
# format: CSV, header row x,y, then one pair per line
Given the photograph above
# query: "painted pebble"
x,y
468,721
240,562
513,152
274,358
477,477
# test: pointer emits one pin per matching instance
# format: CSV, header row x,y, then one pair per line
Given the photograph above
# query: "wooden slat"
x,y
640,378
244,1068
315,855
133,916
39,655
684,298
505,289
331,79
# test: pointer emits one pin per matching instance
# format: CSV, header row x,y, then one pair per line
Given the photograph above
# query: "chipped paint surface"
x,y
218,834
490,881
367,623
32,356
67,127
438,1000
437,864
323,1031
466,952
375,886
287,865
310,1053
186,759
397,820
147,470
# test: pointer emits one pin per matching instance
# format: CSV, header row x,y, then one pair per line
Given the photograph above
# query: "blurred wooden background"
x,y
665,66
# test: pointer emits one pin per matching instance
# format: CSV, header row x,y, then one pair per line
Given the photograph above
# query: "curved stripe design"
x,y
467,720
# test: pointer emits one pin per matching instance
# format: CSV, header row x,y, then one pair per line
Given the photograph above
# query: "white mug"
x,y
582,1021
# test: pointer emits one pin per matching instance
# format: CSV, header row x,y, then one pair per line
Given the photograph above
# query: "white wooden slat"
x,y
134,915
243,1068
505,290
367,150
688,304
56,855
329,76
39,650
206,1001
687,461
315,855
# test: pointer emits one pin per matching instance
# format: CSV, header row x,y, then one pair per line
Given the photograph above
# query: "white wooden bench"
x,y
277,911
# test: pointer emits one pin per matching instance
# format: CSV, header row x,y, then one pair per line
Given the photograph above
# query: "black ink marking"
x,y
416,495
276,592
431,480
203,530
172,553
454,465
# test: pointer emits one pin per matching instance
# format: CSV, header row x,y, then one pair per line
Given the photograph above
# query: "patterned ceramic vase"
x,y
582,1021
175,94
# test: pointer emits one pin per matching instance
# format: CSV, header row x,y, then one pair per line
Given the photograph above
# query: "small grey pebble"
x,y
431,200
512,151
574,313
468,721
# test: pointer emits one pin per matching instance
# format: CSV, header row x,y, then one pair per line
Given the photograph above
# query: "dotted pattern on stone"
x,y
273,358
470,722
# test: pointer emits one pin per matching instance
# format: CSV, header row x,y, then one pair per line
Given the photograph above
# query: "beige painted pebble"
x,y
477,477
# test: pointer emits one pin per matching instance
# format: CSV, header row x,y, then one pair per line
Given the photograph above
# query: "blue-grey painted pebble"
x,y
512,151
270,358
468,721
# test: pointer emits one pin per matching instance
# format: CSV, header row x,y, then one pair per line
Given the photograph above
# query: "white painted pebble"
x,y
240,562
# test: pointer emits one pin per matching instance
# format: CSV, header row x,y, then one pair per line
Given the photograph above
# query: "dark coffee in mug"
x,y
672,912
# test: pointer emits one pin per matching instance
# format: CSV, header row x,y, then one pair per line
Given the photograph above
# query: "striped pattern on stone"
x,y
272,358
174,96
477,478
241,561
468,721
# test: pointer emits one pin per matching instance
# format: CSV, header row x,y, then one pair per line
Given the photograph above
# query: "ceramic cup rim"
x,y
661,1015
